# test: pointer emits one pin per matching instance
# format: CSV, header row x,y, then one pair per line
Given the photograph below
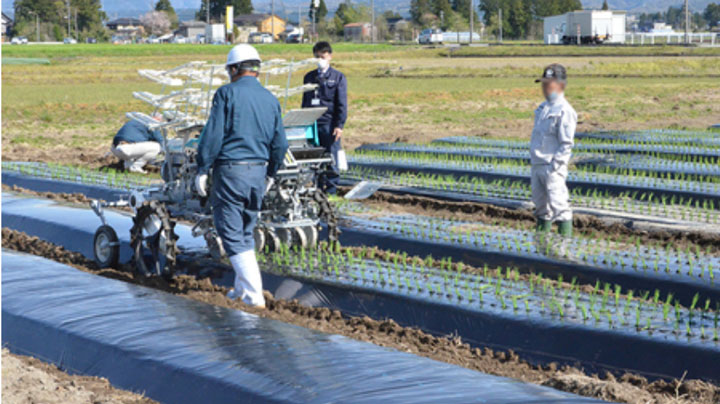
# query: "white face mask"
x,y
323,64
552,97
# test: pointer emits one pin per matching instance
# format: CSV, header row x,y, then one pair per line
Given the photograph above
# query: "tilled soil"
x,y
584,224
55,196
91,157
88,157
27,380
627,389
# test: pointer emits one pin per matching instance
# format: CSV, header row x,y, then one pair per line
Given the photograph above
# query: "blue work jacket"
x,y
135,132
331,93
245,124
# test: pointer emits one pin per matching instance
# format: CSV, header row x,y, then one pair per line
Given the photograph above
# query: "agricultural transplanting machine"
x,y
293,206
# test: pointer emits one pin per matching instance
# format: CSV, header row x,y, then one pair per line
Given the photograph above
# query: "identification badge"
x,y
315,102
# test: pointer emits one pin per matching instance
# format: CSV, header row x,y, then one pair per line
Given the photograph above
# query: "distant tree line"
x,y
675,17
164,6
444,14
712,14
217,8
51,16
519,17
522,18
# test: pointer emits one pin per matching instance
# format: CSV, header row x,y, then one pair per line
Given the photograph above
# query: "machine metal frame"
x,y
293,207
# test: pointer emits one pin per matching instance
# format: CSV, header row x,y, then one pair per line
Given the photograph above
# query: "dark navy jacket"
x,y
245,124
135,132
332,92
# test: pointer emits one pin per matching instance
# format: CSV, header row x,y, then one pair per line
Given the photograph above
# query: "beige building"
x,y
272,24
191,29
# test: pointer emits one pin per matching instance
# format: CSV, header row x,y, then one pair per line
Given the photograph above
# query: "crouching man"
x,y
243,142
136,145
550,148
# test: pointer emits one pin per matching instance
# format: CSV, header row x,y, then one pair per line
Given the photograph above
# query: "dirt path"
x,y
627,388
29,380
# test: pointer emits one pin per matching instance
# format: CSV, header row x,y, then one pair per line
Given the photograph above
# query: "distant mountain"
x,y
289,8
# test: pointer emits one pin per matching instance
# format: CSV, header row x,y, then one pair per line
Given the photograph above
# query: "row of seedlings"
x,y
620,254
692,166
656,135
603,146
466,187
110,178
599,175
504,291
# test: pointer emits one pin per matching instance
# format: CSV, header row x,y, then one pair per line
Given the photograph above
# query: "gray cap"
x,y
554,72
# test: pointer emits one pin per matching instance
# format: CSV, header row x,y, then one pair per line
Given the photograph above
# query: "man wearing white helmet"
x,y
243,142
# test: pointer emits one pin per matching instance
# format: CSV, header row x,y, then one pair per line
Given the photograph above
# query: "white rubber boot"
x,y
137,166
248,281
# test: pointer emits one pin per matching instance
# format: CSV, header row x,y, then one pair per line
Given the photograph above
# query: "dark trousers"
x,y
237,194
330,181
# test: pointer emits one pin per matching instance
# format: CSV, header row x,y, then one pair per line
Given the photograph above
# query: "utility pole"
x,y
315,5
372,21
207,21
76,26
578,34
37,25
272,19
501,24
687,23
68,18
471,21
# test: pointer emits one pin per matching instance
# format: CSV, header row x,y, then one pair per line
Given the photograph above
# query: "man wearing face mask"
x,y
332,94
550,148
243,142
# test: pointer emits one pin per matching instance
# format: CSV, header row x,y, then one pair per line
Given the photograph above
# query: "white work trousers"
x,y
549,192
248,281
136,155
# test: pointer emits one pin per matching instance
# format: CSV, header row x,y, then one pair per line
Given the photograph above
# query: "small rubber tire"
x,y
106,255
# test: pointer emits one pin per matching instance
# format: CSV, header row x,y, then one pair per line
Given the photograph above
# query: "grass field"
x,y
74,105
608,50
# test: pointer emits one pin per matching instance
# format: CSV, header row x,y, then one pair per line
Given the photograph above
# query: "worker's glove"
x,y
269,181
201,184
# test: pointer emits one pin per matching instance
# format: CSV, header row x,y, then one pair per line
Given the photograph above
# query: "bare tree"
x,y
156,22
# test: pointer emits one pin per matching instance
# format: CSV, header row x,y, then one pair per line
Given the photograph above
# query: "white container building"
x,y
589,26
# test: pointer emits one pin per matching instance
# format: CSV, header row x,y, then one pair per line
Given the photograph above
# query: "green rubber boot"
x,y
543,226
565,228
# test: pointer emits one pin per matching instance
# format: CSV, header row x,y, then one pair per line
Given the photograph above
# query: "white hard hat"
x,y
242,53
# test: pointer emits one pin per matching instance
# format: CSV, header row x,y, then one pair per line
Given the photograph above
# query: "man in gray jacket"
x,y
550,148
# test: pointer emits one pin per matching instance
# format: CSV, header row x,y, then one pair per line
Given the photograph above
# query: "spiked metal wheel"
x,y
153,241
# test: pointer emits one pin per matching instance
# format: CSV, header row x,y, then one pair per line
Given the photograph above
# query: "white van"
x,y
430,36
